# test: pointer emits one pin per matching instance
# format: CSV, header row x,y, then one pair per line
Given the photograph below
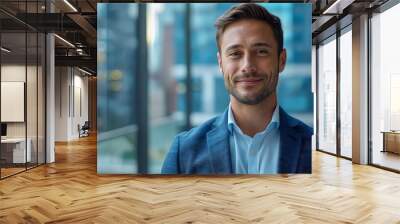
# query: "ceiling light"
x,y
71,6
79,51
65,41
5,49
337,7
84,71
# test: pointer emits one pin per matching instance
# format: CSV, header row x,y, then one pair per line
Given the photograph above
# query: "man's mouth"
x,y
248,81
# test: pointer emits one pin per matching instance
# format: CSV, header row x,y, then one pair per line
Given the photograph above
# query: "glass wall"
x,y
346,92
22,92
117,76
31,99
385,89
13,88
41,96
327,95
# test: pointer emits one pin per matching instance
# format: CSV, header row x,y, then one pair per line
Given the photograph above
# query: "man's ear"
x,y
282,60
219,62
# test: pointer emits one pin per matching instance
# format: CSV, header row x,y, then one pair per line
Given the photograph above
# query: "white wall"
x,y
71,94
80,109
61,103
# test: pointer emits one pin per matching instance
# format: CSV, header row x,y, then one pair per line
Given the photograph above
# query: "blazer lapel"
x,y
218,146
290,144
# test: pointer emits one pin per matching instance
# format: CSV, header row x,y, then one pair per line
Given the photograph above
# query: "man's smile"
x,y
251,81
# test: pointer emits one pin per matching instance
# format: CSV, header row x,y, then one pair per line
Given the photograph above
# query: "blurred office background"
x,y
158,75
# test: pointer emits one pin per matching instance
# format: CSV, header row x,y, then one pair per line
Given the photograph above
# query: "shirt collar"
x,y
232,122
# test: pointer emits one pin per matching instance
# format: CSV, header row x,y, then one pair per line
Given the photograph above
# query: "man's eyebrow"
x,y
262,45
232,47
235,46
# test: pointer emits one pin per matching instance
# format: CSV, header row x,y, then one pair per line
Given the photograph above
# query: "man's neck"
x,y
252,119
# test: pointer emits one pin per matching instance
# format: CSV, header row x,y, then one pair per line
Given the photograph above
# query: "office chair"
x,y
84,130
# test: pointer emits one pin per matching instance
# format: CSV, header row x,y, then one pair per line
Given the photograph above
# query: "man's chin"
x,y
250,97
249,100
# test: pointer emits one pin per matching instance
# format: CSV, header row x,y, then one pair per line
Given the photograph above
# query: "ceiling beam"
x,y
82,61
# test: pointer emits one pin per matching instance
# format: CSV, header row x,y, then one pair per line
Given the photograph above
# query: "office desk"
x,y
16,147
391,141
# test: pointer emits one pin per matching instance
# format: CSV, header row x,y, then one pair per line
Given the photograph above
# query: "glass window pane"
x,y
41,98
327,96
31,97
13,87
385,86
116,46
32,86
346,94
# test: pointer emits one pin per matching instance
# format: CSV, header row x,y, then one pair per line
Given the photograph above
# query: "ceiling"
x,y
329,15
76,25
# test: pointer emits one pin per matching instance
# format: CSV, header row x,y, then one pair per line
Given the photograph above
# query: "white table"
x,y
19,149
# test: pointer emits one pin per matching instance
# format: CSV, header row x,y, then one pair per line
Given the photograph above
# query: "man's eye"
x,y
235,54
263,52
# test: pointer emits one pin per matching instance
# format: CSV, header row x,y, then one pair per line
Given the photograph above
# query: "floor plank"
x,y
70,191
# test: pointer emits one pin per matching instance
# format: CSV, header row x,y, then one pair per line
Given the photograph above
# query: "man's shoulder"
x,y
298,126
188,152
304,128
200,131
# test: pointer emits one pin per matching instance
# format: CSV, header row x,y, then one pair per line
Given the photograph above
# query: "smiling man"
x,y
254,135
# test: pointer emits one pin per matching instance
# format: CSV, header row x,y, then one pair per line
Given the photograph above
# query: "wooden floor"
x,y
5,172
387,159
9,171
70,191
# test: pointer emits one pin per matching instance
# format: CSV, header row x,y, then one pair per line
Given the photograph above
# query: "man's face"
x,y
248,59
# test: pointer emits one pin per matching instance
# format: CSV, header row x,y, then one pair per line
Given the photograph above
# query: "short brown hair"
x,y
250,11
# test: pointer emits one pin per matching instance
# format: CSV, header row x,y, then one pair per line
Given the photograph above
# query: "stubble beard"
x,y
269,87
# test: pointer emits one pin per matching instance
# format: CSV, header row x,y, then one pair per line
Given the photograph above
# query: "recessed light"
x,y
71,6
64,40
5,50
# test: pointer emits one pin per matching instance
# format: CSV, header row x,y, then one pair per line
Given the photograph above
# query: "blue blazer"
x,y
205,149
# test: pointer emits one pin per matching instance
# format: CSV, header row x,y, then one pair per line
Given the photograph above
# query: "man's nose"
x,y
248,65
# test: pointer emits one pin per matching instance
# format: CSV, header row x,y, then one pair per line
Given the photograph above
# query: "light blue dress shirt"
x,y
258,154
